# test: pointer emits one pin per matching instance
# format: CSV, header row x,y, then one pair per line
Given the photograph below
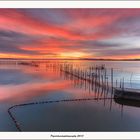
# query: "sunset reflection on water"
x,y
24,84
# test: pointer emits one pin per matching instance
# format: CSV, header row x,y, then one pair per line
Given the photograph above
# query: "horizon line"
x,y
103,59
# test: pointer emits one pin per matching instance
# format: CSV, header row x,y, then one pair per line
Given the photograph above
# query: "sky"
x,y
70,33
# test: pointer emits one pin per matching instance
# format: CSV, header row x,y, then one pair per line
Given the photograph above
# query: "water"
x,y
21,84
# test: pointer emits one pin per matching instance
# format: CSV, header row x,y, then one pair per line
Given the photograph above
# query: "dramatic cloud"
x,y
70,33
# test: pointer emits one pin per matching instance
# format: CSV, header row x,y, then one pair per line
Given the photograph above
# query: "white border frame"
x,y
69,135
69,4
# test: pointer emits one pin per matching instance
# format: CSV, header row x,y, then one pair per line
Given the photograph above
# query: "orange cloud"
x,y
67,39
21,22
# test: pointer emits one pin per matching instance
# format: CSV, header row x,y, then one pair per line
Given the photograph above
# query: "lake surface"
x,y
76,105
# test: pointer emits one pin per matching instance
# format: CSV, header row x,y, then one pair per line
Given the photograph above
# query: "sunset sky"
x,y
70,33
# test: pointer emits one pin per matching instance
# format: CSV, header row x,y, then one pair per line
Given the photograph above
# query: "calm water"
x,y
21,84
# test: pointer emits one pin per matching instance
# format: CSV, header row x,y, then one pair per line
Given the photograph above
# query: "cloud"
x,y
53,32
10,41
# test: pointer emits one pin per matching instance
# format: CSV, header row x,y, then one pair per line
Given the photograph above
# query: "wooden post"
x,y
116,83
112,77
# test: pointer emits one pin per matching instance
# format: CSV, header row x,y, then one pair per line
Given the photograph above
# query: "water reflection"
x,y
21,84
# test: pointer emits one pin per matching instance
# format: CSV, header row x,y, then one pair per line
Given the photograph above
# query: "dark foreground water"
x,y
95,111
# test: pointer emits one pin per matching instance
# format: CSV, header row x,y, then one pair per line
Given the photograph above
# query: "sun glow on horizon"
x,y
72,55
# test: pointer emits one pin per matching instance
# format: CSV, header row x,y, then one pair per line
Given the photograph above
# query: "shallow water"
x,y
24,84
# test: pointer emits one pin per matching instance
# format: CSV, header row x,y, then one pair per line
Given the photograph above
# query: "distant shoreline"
x,y
85,59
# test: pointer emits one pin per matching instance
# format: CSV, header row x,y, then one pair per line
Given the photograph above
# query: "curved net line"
x,y
17,125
